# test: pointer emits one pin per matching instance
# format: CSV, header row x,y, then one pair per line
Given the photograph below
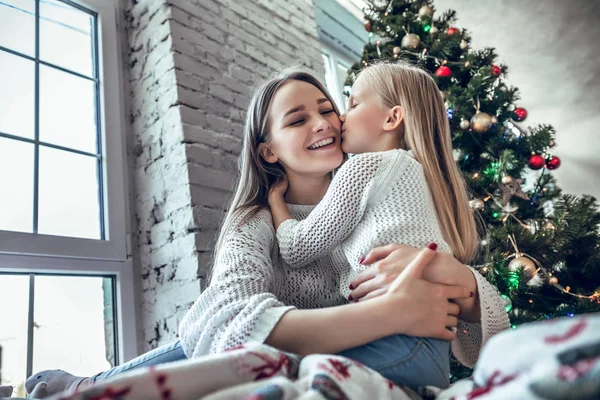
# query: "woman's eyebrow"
x,y
293,110
322,100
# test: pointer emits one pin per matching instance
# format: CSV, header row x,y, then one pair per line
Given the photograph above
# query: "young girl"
x,y
403,185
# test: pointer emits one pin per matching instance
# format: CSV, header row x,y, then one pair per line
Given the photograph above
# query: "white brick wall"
x,y
192,65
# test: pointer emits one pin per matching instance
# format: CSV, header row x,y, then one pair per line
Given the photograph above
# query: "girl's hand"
x,y
278,190
415,307
387,262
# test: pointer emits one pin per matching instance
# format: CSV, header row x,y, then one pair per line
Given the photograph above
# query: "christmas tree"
x,y
539,247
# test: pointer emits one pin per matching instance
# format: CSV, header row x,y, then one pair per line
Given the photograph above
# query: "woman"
x,y
253,296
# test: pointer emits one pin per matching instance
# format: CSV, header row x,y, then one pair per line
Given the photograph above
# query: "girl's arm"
x,y
279,210
336,216
427,312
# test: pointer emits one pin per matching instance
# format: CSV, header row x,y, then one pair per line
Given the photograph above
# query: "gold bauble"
x,y
397,50
525,264
506,179
426,11
553,280
464,124
481,122
494,119
410,41
464,44
433,30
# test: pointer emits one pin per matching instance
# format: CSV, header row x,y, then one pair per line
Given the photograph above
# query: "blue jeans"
x,y
161,355
402,359
406,360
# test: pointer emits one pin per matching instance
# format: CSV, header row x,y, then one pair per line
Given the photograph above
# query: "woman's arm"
x,y
336,216
427,312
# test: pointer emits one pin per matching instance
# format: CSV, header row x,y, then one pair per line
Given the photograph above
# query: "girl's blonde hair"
x,y
256,176
426,132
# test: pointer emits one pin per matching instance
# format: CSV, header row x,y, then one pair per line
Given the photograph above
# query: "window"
x,y
336,72
44,320
63,219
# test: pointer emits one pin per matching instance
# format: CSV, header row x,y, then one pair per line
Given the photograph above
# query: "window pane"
x,y
67,110
70,318
16,181
68,204
17,25
342,74
65,36
14,301
16,95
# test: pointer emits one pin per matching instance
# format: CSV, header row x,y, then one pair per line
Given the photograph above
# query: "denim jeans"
x,y
406,360
160,355
402,359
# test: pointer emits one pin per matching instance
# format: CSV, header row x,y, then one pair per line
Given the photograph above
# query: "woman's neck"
x,y
306,190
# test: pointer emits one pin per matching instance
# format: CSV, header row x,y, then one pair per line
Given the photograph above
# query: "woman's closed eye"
x,y
325,112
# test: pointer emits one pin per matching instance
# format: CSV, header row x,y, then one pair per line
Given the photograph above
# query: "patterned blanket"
x,y
553,360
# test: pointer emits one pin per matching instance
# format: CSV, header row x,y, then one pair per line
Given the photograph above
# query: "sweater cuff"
x,y
266,322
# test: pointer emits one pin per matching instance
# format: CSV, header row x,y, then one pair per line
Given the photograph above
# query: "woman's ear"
x,y
394,119
267,154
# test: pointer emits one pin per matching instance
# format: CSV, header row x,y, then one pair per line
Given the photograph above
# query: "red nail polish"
x,y
350,298
471,294
351,287
432,246
356,301
362,259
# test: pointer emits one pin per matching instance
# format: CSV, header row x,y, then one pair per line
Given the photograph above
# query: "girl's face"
x,y
363,121
305,131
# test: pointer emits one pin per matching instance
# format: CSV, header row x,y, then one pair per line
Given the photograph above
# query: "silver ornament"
x,y
464,124
464,44
481,122
397,50
476,204
426,11
433,30
521,262
410,41
506,179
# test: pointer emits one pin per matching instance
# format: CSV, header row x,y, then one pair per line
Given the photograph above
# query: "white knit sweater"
x,y
374,199
251,289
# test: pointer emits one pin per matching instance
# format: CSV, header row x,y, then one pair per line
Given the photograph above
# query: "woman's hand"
x,y
415,307
387,262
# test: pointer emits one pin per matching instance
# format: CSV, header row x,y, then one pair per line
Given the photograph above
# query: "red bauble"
x,y
496,70
520,113
452,31
443,72
536,161
553,162
368,26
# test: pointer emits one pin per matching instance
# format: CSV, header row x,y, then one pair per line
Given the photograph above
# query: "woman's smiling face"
x,y
304,130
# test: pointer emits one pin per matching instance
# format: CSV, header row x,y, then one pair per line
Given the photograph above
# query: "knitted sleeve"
x,y
472,336
238,305
336,216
